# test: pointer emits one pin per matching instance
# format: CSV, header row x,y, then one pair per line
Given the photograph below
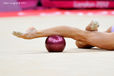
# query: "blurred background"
x,y
61,5
18,5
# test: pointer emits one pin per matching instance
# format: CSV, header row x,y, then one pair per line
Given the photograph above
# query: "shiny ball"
x,y
55,43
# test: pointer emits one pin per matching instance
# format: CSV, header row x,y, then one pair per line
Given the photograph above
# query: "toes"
x,y
94,25
24,36
18,34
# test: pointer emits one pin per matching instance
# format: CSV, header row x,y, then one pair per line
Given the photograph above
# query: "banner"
x,y
78,3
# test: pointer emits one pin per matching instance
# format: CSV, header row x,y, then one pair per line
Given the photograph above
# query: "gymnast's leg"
x,y
102,40
93,26
65,31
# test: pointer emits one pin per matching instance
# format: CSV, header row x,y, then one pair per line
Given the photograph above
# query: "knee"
x,y
81,44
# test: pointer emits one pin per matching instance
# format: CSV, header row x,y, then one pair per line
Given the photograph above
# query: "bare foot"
x,y
93,26
30,33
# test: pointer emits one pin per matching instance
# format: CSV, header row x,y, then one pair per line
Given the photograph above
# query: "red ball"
x,y
55,43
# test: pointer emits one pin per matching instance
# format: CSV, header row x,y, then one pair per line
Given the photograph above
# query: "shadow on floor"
x,y
78,50
72,50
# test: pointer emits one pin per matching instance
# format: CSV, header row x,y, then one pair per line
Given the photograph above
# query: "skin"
x,y
85,39
109,29
90,27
